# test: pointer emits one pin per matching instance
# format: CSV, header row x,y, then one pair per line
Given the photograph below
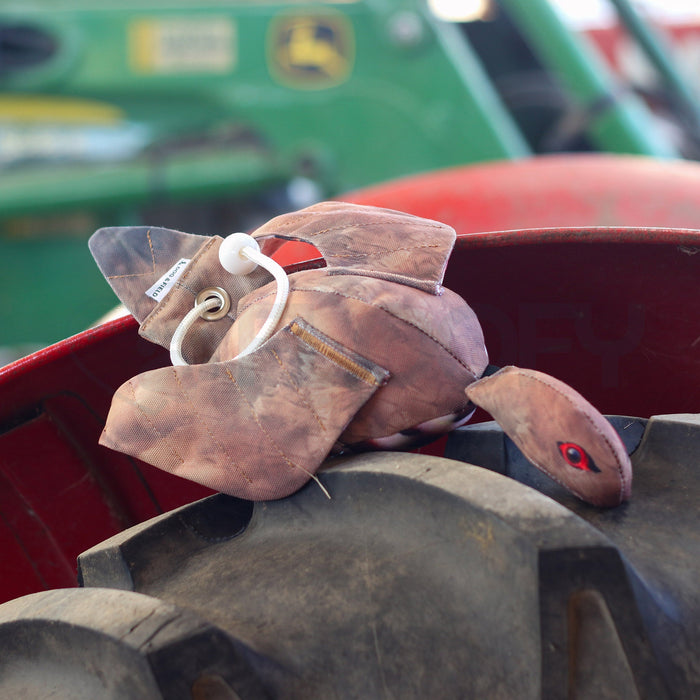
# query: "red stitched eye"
x,y
575,456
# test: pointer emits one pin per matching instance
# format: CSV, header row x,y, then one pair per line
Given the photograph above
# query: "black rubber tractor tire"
x,y
419,577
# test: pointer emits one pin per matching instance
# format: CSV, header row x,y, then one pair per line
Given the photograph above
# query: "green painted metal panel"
x,y
112,107
619,123
175,102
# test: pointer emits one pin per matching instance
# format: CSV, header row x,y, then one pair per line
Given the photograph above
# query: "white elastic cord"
x,y
280,302
267,328
176,357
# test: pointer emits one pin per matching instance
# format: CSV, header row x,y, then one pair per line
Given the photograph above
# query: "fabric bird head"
x,y
272,373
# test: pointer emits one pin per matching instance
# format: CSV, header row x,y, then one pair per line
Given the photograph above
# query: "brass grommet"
x,y
214,293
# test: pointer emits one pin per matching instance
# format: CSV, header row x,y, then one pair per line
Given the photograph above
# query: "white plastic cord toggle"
x,y
239,254
233,253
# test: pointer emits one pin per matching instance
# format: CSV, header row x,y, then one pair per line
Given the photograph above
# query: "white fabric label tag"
x,y
167,281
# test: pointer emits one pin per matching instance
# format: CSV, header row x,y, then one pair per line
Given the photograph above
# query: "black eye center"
x,y
575,456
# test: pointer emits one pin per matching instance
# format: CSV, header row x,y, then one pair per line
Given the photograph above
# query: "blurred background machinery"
x,y
212,116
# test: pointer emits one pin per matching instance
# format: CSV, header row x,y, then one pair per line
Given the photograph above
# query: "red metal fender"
x,y
543,192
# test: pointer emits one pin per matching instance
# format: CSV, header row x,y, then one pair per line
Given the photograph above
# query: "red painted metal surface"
x,y
551,191
60,492
612,311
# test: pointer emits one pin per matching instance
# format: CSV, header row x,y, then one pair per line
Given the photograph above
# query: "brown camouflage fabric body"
x,y
370,351
559,432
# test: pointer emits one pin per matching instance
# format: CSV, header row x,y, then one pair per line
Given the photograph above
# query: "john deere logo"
x,y
312,51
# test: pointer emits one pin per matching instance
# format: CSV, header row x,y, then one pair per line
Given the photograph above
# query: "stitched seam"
x,y
150,246
190,267
256,418
349,227
136,274
140,274
590,421
206,427
152,425
298,390
162,305
381,253
424,284
374,306
337,357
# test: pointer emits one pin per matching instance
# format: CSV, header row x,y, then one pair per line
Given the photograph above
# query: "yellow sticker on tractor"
x,y
311,51
177,45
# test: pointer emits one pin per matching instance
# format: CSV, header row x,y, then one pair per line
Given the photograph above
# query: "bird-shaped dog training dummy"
x,y
272,373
